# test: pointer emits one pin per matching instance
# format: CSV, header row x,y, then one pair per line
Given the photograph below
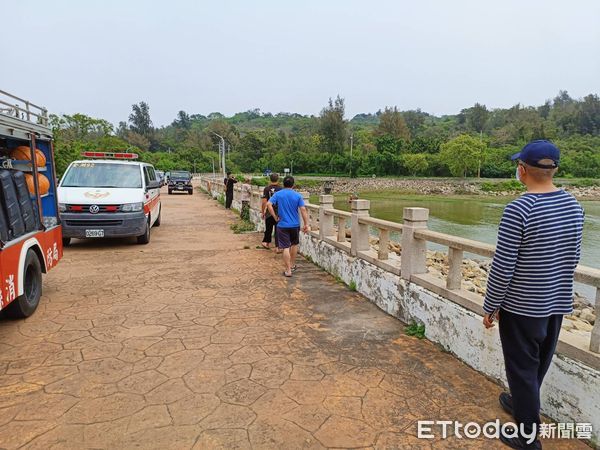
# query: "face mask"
x,y
517,174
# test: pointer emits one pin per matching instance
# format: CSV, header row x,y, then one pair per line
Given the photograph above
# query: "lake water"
x,y
474,218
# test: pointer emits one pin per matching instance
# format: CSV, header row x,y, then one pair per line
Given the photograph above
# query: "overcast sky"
x,y
100,57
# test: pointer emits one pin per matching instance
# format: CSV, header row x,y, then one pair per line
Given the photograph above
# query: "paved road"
x,y
197,341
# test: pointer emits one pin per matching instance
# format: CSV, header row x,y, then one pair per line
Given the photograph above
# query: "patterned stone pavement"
x,y
197,341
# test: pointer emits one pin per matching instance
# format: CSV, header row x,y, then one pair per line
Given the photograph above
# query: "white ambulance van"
x,y
109,195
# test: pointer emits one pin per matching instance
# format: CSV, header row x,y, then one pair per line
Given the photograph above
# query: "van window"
x,y
149,174
102,175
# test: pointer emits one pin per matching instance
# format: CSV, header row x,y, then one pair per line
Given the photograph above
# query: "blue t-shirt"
x,y
288,201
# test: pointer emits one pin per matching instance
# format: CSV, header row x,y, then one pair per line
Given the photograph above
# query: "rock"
x,y
588,317
582,326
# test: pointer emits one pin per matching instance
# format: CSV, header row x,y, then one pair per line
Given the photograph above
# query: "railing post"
x,y
414,251
341,231
325,220
306,197
454,278
384,242
359,240
595,338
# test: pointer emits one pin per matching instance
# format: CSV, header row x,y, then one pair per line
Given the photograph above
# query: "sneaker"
x,y
515,442
506,402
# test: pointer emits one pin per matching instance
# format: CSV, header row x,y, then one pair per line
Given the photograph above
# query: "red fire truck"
x,y
30,230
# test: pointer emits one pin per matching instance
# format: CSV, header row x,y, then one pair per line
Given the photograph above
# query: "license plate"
x,y
94,233
180,188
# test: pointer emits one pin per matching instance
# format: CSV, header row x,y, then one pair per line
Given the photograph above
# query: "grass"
x,y
352,286
243,226
416,330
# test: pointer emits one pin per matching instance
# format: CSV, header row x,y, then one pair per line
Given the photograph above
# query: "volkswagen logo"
x,y
94,209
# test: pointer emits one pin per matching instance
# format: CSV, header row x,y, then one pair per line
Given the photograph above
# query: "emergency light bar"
x,y
110,155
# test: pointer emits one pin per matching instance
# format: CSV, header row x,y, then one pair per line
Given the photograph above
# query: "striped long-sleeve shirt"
x,y
539,246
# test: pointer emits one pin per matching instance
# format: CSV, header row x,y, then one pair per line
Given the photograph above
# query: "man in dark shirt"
x,y
270,223
229,181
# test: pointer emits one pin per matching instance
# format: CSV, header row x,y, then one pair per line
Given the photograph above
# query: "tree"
x,y
463,154
415,163
333,126
476,117
415,121
140,119
391,123
588,115
183,120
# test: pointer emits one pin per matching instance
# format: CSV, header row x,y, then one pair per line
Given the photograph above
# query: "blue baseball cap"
x,y
536,151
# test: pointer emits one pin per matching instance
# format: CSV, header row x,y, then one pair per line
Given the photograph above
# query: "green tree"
x,y
415,163
391,123
463,154
476,117
140,119
333,126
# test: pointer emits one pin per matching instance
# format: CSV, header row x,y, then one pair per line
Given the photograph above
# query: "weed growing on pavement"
x,y
242,227
352,286
416,330
221,199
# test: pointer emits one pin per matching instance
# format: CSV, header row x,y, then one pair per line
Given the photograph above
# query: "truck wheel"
x,y
26,304
191,192
170,192
157,221
145,238
66,241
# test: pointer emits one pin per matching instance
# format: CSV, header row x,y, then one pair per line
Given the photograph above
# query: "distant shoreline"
x,y
482,188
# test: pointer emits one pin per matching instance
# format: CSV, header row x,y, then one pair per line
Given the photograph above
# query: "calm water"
x,y
473,218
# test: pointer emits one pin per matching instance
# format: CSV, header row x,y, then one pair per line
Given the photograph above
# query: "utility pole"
x,y
351,145
221,152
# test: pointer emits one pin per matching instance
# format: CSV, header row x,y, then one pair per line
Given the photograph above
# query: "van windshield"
x,y
103,175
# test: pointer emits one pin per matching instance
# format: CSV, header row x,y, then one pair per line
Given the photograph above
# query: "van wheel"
x,y
145,238
26,304
66,241
157,221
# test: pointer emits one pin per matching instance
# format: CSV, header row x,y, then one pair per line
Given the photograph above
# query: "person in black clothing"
x,y
229,181
270,223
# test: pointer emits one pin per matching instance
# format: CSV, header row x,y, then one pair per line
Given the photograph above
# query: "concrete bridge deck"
x,y
197,341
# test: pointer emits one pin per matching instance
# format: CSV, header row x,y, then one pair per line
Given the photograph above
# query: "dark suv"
x,y
180,181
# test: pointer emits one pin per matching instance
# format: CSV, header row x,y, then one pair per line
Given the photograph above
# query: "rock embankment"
x,y
438,186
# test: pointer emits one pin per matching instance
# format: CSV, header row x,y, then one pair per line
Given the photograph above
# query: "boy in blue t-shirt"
x,y
288,203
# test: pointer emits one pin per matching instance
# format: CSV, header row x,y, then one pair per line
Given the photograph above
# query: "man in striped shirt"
x,y
530,284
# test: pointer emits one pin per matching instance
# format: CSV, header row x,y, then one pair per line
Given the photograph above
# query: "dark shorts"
x,y
286,237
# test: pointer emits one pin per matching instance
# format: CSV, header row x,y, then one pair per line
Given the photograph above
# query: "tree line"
x,y
477,141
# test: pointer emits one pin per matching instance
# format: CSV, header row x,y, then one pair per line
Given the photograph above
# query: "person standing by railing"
x,y
229,181
270,223
530,285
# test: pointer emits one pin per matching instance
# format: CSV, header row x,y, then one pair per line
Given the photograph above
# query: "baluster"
x,y
341,231
595,339
454,278
384,242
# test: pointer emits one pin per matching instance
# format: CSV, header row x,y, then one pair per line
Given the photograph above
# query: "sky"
x,y
100,57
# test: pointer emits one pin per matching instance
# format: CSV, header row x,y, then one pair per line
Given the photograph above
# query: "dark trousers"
x,y
528,344
228,199
270,225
